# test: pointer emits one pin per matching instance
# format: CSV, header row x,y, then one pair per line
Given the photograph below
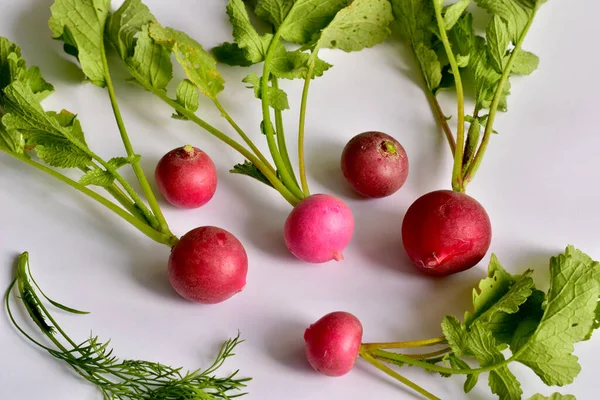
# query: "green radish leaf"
x,y
247,39
249,169
364,23
294,64
151,62
484,347
188,97
198,65
525,63
498,40
432,69
308,17
414,18
277,98
80,25
454,12
273,11
455,333
125,24
516,13
128,32
569,315
59,144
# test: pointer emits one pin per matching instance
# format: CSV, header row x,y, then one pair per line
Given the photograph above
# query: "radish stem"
x,y
139,173
382,367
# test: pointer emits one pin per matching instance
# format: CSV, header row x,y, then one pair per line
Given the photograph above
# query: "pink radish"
x,y
333,343
319,228
187,177
208,265
375,164
445,232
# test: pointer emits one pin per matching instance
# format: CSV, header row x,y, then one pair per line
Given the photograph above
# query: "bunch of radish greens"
x,y
208,265
509,313
320,226
445,232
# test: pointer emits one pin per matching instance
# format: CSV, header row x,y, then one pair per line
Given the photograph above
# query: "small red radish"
x,y
445,232
375,164
333,343
187,177
208,265
319,228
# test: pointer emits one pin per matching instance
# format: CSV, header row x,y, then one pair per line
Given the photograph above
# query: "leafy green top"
x,y
448,51
539,328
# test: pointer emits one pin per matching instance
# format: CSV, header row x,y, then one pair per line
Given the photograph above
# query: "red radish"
x,y
333,343
319,228
375,164
187,177
445,232
208,265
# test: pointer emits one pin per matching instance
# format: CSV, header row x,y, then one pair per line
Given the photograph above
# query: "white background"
x,y
540,183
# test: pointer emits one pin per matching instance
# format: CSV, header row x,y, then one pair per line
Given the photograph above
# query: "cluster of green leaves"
x,y
57,138
311,25
118,379
510,313
145,46
485,59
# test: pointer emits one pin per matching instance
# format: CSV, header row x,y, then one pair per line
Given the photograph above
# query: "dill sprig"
x,y
119,379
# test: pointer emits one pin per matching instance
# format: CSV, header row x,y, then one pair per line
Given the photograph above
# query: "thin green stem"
x,y
384,368
283,172
122,198
139,173
425,356
439,113
280,131
436,108
403,345
243,135
289,196
404,359
302,123
153,234
472,170
457,176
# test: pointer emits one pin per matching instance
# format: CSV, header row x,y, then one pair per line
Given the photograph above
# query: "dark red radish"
x,y
208,265
333,343
186,177
445,232
319,228
375,164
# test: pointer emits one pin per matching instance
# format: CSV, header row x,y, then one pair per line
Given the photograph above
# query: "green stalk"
x,y
404,359
472,170
457,176
302,123
439,114
139,173
280,131
283,172
403,345
243,135
285,192
153,234
367,357
122,198
436,108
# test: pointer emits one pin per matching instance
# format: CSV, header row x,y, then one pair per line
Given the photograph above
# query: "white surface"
x,y
540,183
